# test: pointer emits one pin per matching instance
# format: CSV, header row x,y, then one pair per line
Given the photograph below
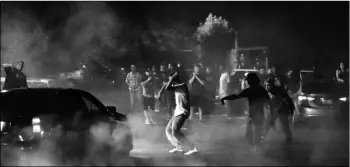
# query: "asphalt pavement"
x,y
221,142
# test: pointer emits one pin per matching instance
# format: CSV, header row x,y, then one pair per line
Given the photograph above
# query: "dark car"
x,y
61,126
321,99
88,75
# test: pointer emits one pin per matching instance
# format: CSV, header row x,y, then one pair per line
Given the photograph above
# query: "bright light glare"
x,y
44,80
20,138
2,125
36,128
342,99
36,120
300,98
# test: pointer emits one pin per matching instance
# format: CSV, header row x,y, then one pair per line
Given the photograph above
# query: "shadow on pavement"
x,y
297,154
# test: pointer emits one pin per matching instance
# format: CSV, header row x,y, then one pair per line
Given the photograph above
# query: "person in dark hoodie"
x,y
258,98
15,78
282,107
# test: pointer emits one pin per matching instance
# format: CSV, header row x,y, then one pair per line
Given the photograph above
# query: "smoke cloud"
x,y
22,38
94,30
90,32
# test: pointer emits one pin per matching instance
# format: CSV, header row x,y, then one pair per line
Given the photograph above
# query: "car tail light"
x,y
343,99
308,98
36,125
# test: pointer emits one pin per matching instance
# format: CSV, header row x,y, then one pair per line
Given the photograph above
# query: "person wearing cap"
x,y
282,107
258,98
15,78
133,79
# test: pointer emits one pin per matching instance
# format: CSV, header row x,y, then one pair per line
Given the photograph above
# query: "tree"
x,y
215,39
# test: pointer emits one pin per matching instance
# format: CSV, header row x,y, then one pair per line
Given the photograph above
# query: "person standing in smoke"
x,y
263,75
148,97
196,85
170,97
157,85
15,78
181,114
224,90
294,79
279,78
258,98
282,107
164,78
133,79
182,71
210,87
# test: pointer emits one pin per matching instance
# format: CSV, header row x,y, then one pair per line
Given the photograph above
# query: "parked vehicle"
x,y
72,120
321,99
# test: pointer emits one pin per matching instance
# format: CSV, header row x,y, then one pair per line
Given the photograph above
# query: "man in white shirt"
x,y
224,89
133,79
181,114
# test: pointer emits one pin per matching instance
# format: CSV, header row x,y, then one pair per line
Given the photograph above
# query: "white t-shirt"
x,y
182,97
223,86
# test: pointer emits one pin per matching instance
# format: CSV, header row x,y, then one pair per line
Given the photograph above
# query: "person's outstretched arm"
x,y
242,94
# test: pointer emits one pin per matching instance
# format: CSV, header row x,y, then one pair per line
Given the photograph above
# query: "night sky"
x,y
305,32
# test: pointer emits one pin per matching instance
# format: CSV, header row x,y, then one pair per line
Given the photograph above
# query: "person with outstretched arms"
x,y
15,78
258,98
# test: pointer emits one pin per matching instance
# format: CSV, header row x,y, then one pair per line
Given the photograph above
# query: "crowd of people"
x,y
188,92
206,85
180,93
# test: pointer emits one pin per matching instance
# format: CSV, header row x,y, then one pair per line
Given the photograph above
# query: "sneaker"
x,y
147,122
174,150
190,152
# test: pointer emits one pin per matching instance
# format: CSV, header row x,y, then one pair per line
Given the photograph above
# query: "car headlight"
x,y
343,99
301,98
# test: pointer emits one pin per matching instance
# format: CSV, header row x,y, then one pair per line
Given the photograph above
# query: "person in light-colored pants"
x,y
136,100
133,79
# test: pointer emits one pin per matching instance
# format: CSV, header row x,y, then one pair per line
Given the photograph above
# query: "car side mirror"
x,y
111,110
